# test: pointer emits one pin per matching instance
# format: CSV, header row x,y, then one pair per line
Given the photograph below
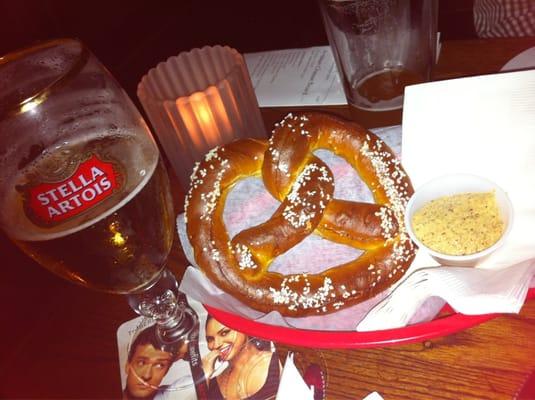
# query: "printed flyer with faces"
x,y
233,364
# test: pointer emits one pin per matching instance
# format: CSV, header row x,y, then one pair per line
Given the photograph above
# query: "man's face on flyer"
x,y
146,370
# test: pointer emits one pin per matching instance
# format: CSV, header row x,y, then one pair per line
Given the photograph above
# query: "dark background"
x,y
130,37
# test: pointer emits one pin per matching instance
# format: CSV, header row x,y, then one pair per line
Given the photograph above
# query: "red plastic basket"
x,y
440,326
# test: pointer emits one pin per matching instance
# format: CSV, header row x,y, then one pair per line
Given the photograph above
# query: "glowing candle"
x,y
199,100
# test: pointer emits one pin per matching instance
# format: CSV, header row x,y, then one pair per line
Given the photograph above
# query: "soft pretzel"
x,y
304,185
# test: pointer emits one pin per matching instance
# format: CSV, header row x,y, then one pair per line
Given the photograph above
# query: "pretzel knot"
x,y
304,185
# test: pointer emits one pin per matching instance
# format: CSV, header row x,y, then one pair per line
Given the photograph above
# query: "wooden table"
x,y
59,341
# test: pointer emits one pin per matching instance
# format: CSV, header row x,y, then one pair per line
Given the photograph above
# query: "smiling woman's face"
x,y
225,340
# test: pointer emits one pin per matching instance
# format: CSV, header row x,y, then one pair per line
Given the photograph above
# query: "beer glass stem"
x,y
168,307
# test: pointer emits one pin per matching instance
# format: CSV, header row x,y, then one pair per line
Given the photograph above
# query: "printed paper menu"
x,y
291,77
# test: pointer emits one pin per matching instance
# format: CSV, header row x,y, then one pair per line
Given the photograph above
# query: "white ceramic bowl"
x,y
456,184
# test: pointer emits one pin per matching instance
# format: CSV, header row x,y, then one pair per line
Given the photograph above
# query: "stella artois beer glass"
x,y
82,189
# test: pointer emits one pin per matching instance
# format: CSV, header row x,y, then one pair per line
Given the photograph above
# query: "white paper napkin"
x,y
483,125
373,396
470,291
292,386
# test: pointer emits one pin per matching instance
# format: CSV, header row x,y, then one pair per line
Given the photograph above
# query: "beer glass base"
x,y
167,306
375,119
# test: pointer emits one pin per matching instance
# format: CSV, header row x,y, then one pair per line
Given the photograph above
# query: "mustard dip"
x,y
461,224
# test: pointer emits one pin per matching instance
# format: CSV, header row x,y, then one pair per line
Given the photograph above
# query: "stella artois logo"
x,y
50,203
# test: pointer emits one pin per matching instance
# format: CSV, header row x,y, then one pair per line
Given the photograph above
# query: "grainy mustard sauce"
x,y
461,224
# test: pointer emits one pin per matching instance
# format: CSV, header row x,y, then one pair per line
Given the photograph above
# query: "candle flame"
x,y
205,117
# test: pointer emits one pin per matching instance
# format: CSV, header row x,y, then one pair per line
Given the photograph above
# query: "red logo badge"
x,y
93,181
